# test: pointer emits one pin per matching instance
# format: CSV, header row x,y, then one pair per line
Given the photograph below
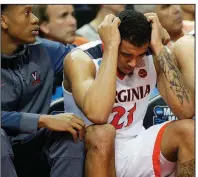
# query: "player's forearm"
x,y
181,99
101,96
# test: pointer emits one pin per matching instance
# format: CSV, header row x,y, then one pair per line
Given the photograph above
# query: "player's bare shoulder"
x,y
184,41
78,61
184,50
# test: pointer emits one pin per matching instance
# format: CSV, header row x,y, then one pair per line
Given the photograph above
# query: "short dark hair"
x,y
134,27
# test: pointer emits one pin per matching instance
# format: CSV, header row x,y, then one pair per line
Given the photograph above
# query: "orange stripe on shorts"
x,y
156,151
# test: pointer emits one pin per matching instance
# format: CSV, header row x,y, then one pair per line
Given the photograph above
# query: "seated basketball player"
x,y
111,81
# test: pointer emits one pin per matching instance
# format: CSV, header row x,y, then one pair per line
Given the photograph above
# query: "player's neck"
x,y
9,45
175,36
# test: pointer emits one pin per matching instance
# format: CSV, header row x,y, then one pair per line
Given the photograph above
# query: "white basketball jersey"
x,y
132,93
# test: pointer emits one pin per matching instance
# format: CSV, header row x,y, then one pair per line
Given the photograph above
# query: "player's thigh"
x,y
140,156
177,134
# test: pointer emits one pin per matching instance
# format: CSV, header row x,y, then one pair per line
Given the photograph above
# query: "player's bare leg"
x,y
100,151
178,144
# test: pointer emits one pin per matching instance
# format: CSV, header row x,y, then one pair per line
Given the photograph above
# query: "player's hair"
x,y
134,27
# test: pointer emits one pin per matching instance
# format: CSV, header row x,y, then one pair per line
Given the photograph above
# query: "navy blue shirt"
x,y
26,84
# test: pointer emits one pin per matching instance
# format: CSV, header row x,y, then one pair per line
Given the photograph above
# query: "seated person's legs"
x,y
50,154
7,166
152,152
64,156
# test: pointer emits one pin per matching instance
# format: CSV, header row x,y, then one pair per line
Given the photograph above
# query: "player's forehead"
x,y
127,47
18,8
58,9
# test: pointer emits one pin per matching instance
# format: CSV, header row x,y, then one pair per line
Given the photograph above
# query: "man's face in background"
x,y
170,16
62,24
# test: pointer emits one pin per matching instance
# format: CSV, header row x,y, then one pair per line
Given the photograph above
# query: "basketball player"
x,y
111,81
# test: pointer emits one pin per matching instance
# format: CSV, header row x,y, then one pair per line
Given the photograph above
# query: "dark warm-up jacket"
x,y
26,84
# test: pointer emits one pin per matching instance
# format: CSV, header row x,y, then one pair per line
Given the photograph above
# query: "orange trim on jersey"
x,y
102,47
156,151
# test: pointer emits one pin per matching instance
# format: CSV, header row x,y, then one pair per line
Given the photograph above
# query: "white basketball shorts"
x,y
141,156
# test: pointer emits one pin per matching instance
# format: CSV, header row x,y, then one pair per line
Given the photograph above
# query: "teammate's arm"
x,y
170,81
184,52
95,94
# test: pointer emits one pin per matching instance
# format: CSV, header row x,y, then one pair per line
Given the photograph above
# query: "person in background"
x,y
58,23
170,17
188,12
89,31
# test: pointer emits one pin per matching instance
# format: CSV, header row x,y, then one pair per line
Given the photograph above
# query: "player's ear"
x,y
4,22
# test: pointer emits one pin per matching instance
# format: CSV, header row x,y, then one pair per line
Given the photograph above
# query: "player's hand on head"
x,y
64,122
159,35
108,31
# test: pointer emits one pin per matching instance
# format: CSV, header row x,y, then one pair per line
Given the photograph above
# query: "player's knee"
x,y
100,138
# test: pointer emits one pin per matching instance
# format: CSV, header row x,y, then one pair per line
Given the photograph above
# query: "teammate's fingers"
x,y
74,118
73,132
76,126
82,133
78,120
80,129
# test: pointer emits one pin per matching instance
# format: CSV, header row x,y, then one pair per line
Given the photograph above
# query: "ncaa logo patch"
x,y
142,73
162,114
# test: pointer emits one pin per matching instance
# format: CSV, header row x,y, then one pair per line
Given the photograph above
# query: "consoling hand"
x,y
64,122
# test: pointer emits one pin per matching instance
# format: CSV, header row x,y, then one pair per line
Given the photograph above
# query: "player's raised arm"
x,y
95,94
170,81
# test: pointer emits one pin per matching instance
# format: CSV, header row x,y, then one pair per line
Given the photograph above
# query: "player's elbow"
x,y
97,118
187,113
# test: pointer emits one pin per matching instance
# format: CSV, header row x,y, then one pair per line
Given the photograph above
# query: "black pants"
x,y
47,154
